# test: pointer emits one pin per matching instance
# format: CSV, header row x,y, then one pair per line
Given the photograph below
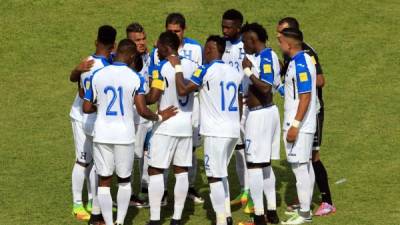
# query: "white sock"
x,y
303,185
156,192
312,179
123,198
193,171
144,181
256,189
241,169
218,200
228,212
180,191
94,183
88,172
105,200
78,178
269,187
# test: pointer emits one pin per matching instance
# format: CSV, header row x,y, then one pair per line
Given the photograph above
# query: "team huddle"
x,y
157,107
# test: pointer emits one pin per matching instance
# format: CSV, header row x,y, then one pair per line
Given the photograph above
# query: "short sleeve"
x,y
198,75
303,77
89,92
141,90
266,67
158,79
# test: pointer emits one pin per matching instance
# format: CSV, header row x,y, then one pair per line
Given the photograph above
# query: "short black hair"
x,y
134,27
256,28
291,21
126,46
293,33
176,18
170,39
233,14
106,35
221,42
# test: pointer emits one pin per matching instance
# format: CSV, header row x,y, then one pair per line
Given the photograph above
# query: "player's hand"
x,y
246,63
174,60
168,112
292,134
85,65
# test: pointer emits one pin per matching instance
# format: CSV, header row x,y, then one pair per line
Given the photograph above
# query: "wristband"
x,y
247,71
296,124
159,118
178,69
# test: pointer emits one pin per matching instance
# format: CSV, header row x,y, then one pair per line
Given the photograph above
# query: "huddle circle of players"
x,y
222,92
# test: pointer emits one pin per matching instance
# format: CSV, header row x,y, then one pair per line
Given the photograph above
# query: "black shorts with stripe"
x,y
318,133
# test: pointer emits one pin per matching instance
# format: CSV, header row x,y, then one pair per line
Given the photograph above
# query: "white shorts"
x,y
110,157
165,149
263,135
217,154
83,143
299,151
140,137
196,122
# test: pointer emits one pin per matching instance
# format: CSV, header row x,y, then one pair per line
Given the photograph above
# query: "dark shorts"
x,y
318,133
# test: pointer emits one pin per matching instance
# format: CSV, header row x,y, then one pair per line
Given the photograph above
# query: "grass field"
x,y
358,44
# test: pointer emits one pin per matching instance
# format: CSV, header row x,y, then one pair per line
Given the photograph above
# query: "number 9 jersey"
x,y
113,89
219,109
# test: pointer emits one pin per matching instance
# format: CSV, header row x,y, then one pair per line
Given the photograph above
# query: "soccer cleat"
x,y
164,200
325,209
96,220
272,217
246,223
297,219
80,212
194,195
153,222
137,202
249,208
293,207
242,198
229,220
89,206
175,222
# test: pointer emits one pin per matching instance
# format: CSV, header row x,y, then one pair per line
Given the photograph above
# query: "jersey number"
x,y
115,95
232,106
235,65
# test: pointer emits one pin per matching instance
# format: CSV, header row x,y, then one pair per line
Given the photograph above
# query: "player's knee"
x,y
105,181
257,165
315,156
213,179
179,169
154,171
82,164
124,180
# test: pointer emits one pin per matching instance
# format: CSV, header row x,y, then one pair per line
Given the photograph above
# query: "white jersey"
x,y
234,54
219,109
191,49
145,74
266,67
164,79
300,78
88,119
112,89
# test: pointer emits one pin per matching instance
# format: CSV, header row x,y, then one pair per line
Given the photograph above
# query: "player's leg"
x,y
103,155
79,171
144,182
124,157
321,175
159,156
229,148
182,161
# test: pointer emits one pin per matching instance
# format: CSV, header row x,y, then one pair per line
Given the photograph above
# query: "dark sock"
x,y
259,220
321,178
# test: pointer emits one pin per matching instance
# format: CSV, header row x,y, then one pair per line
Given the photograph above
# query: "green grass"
x,y
358,44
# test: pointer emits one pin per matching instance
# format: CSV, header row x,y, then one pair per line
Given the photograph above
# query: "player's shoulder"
x,y
190,41
302,60
309,49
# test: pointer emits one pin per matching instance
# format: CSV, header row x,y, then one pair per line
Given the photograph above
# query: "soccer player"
x,y
137,34
299,119
262,126
234,54
191,49
321,175
172,140
220,107
82,126
112,93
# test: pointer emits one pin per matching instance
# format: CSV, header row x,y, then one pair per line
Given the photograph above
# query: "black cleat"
x,y
154,222
137,202
229,220
272,217
175,222
259,220
96,220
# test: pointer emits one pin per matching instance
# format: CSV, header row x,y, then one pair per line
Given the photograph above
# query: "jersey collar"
x,y
99,56
297,54
216,61
119,64
234,42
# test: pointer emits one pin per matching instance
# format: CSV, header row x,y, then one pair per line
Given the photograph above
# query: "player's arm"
x,y
181,88
262,85
145,112
84,66
304,88
320,82
157,87
88,105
